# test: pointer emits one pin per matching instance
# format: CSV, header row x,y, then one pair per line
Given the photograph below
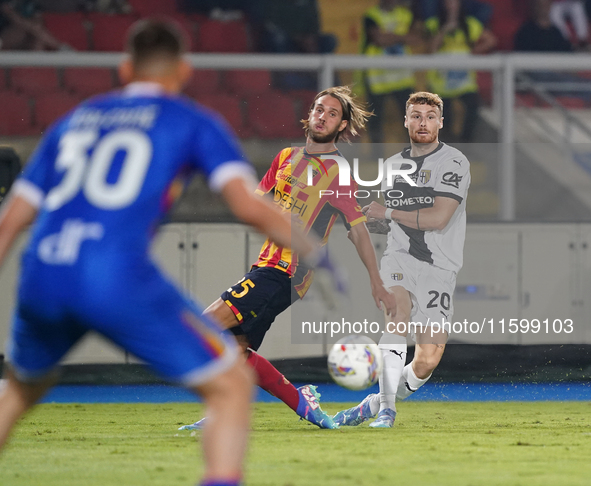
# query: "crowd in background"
x,y
389,28
294,26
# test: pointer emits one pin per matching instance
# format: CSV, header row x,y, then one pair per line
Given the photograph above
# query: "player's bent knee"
x,y
244,377
398,324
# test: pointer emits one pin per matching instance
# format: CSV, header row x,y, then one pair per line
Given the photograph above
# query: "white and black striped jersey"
x,y
444,172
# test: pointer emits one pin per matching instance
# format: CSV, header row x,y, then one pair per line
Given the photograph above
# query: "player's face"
x,y
325,120
423,123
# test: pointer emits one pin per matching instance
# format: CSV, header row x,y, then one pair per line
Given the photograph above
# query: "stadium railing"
x,y
504,68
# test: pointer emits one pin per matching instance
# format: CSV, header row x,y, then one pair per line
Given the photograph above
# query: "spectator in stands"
x,y
482,11
288,26
454,32
292,26
538,33
21,28
389,28
573,11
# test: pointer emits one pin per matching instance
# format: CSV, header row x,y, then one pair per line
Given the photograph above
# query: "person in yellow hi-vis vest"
x,y
389,28
455,33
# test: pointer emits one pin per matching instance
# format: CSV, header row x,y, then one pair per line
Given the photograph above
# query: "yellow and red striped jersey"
x,y
314,210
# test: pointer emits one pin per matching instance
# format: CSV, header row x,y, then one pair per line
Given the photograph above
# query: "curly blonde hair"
x,y
354,111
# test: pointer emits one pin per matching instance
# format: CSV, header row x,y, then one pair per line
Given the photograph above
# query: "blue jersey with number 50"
x,y
102,175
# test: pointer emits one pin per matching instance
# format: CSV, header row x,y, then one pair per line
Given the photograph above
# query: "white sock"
x,y
374,404
393,349
409,383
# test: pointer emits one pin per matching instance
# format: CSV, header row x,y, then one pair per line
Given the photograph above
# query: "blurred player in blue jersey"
x,y
96,188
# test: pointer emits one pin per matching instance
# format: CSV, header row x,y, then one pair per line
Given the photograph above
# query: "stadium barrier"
x,y
504,68
502,287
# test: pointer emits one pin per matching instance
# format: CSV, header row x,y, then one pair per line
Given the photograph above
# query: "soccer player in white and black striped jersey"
x,y
426,231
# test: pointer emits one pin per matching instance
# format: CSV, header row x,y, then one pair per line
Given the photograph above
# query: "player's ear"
x,y
343,125
441,122
125,71
405,122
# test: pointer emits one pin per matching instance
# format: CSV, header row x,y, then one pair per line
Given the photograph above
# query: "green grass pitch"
x,y
439,444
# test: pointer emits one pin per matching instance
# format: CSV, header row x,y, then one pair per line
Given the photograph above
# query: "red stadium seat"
x,y
217,36
4,77
273,116
203,82
49,107
88,81
230,107
71,28
575,102
485,86
34,80
109,32
521,9
16,114
247,82
148,8
188,24
304,98
506,20
528,100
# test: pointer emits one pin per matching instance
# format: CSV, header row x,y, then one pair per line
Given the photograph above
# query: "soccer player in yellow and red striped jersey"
x,y
317,214
279,277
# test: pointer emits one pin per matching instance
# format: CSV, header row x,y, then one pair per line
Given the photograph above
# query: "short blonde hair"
x,y
425,98
354,111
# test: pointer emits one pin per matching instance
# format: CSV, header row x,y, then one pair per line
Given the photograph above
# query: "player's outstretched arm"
x,y
427,219
360,238
16,214
265,217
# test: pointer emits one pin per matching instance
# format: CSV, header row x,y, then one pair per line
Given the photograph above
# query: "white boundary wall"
x,y
533,271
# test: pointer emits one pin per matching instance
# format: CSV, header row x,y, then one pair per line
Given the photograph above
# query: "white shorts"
x,y
431,288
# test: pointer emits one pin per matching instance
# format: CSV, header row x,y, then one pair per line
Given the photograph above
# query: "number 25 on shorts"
x,y
246,286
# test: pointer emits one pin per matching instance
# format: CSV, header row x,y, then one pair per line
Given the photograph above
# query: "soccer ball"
x,y
355,362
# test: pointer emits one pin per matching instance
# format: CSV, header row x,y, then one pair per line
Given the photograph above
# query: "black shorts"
x,y
257,299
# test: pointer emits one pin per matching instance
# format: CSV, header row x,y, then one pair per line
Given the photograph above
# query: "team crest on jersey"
x,y
424,176
397,276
